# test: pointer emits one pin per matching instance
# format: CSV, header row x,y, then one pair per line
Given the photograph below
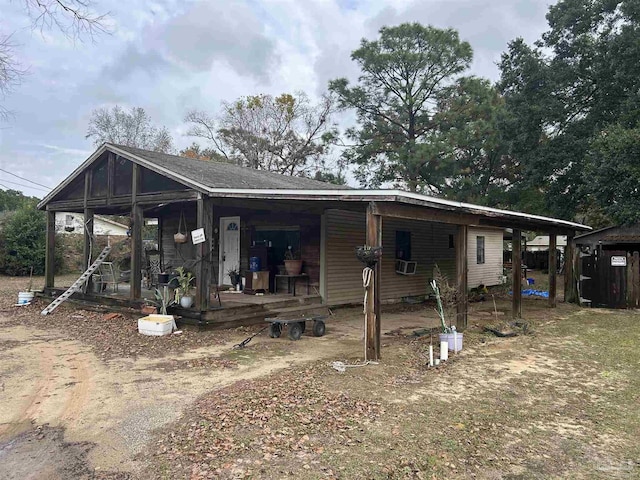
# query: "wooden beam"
x,y
423,214
553,267
88,237
137,219
203,252
50,252
516,274
111,169
461,277
570,287
373,311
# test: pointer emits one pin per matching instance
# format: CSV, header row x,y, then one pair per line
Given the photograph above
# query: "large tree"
x,y
287,134
403,74
133,129
472,120
580,82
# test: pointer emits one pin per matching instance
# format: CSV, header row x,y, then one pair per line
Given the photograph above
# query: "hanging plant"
x,y
368,255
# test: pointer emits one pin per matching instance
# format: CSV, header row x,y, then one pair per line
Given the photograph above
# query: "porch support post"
x,y
461,277
203,252
553,267
374,239
137,219
570,294
88,237
50,252
516,273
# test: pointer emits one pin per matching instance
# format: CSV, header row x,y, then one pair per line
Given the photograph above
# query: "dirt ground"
x,y
85,397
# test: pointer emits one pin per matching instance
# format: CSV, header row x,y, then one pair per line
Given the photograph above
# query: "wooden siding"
x,y
490,272
346,230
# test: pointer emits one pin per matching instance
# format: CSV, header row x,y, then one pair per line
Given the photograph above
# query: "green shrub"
x,y
22,242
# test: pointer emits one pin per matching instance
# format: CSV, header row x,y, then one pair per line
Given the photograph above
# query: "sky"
x,y
171,56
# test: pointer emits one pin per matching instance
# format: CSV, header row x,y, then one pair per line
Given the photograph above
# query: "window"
x,y
123,175
99,180
403,245
480,250
451,243
68,220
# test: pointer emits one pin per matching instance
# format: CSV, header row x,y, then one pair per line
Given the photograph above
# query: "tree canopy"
x,y
403,74
133,129
287,134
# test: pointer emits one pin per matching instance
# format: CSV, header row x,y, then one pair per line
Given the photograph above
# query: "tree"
x,y
472,118
580,81
285,134
402,75
133,129
22,242
199,153
74,18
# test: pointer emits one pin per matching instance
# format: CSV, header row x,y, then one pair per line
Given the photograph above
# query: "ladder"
x,y
79,282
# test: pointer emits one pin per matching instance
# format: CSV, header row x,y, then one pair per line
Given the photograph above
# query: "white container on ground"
x,y
449,338
24,297
444,351
156,325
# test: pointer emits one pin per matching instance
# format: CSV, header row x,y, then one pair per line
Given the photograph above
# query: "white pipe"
x,y
455,341
444,351
431,355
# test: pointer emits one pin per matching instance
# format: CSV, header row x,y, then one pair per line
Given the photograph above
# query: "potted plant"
x,y
292,262
25,297
234,276
184,290
446,300
159,323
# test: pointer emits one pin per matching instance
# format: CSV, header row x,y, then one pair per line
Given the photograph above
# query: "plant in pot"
x,y
234,277
185,289
25,297
446,301
292,262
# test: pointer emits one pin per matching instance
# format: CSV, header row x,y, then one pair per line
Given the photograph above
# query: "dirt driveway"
x,y
69,410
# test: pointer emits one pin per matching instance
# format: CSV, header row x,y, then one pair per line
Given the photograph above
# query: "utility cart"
x,y
296,326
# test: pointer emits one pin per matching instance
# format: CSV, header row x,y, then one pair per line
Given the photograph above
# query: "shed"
x,y
608,267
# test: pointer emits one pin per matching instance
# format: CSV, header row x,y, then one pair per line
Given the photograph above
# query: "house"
x,y
236,218
536,252
70,223
541,243
607,267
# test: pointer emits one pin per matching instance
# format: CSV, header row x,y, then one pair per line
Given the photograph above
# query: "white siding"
x,y
490,272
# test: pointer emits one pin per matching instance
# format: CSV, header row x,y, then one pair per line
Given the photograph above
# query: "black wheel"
x,y
275,330
318,328
295,331
303,326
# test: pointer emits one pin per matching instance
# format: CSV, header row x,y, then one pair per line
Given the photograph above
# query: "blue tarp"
x,y
533,293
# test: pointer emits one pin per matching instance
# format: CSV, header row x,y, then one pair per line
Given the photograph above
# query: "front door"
x,y
229,247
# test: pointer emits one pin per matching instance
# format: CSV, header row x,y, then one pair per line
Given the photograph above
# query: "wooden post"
x,y
516,273
570,292
50,252
374,239
203,252
553,267
461,277
89,247
137,219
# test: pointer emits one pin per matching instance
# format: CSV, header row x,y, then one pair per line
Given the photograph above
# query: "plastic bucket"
x,y
449,338
24,297
254,264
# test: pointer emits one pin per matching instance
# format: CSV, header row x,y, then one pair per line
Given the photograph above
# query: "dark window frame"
x,y
403,245
480,250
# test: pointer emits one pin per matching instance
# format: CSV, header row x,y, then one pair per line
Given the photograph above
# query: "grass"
x,y
561,403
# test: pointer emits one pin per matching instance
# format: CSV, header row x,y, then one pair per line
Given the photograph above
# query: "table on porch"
x,y
289,278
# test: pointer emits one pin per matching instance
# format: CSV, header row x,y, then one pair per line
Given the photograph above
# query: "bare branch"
x,y
74,18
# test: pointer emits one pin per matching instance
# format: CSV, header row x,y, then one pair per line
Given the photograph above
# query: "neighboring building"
x,y
485,254
541,243
69,223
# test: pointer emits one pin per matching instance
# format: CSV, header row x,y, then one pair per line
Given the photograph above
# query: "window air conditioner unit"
x,y
406,268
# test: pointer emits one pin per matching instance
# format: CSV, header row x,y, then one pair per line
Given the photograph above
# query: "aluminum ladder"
x,y
79,282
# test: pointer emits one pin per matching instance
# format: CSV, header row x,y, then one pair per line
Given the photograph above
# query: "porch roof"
x,y
225,180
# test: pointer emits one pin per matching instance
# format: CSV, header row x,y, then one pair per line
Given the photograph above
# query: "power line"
x,y
25,179
26,186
